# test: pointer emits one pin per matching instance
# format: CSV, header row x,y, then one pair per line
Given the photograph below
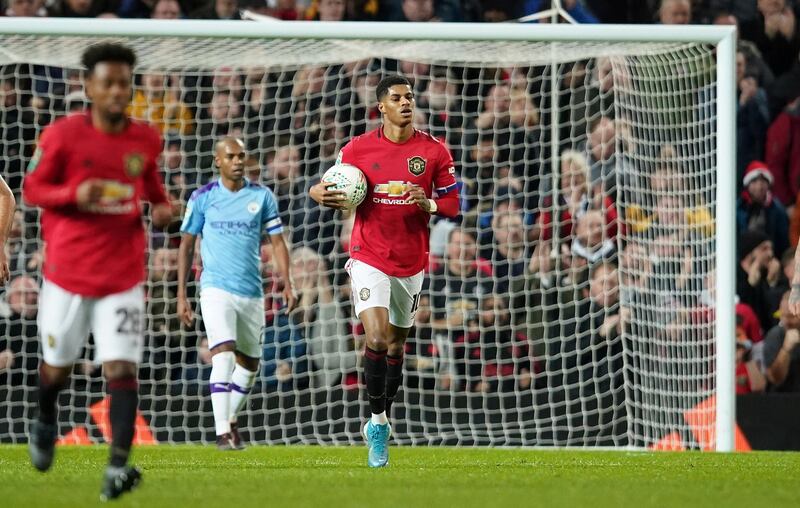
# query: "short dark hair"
x,y
107,52
388,82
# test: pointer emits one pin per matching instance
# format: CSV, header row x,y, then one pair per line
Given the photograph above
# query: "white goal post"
x,y
641,56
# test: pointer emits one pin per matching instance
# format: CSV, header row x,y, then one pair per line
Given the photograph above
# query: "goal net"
x,y
571,304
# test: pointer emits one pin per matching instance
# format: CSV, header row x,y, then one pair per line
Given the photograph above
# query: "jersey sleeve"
x,y
444,179
195,217
444,184
44,182
347,155
269,214
153,185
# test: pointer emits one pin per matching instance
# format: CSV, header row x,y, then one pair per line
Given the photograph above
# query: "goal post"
x,y
697,118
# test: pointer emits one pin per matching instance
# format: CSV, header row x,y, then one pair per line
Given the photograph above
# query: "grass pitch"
x,y
201,477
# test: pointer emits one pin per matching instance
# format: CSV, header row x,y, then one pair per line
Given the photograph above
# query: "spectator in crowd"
x,y
507,254
327,10
20,246
575,198
774,32
752,115
783,155
218,9
442,102
81,8
781,354
758,210
749,378
425,10
317,318
600,326
284,358
495,357
675,12
498,11
19,358
429,360
25,8
167,9
601,153
158,102
590,244
200,371
755,255
457,286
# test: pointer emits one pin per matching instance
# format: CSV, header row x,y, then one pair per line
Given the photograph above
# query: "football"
x,y
348,179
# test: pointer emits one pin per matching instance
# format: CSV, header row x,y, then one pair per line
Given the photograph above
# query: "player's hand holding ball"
x,y
343,187
325,194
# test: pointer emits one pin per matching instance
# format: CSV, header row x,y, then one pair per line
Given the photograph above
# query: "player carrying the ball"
x,y
410,176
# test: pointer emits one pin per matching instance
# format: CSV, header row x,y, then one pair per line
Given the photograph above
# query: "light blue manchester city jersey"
x,y
231,224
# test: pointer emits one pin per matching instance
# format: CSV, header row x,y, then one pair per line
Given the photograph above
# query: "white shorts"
x,y
233,318
65,320
373,288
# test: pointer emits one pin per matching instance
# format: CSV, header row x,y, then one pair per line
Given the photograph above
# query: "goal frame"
x,y
722,37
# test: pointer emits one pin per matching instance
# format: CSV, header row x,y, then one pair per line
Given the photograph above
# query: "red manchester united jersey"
x,y
390,234
97,251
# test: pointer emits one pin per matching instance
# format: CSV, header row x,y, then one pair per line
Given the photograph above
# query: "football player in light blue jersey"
x,y
231,214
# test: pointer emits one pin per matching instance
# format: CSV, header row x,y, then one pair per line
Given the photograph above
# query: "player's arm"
x,y
444,181
281,254
274,228
191,227
333,199
44,184
8,205
185,256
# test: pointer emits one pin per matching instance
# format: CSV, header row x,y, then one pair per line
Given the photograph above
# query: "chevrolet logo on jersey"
x,y
394,192
393,189
416,165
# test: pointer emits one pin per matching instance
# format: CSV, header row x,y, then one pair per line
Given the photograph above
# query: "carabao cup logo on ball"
x,y
348,179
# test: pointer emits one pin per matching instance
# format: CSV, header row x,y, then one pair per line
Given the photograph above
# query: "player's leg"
x,y
371,294
402,308
64,326
117,324
249,331
219,317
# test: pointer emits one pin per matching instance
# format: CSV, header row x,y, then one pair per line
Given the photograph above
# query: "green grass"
x,y
288,477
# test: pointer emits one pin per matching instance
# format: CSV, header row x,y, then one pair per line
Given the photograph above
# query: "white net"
x,y
527,332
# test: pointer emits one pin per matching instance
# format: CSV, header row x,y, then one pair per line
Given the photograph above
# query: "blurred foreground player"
x,y
89,174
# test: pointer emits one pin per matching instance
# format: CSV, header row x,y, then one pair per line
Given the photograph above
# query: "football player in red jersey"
x,y
89,174
410,177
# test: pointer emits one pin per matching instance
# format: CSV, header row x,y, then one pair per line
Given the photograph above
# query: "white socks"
x,y
380,419
242,380
220,384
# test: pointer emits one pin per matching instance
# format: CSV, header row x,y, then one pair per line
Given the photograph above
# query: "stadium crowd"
x,y
541,279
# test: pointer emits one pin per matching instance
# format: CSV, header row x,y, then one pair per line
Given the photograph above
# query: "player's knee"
x,y
248,362
395,348
377,341
224,360
119,369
